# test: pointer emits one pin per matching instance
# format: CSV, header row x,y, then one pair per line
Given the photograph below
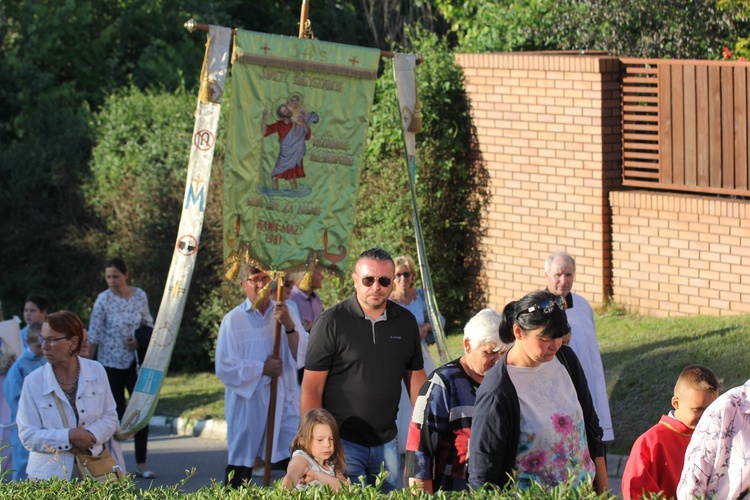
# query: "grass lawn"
x,y
642,358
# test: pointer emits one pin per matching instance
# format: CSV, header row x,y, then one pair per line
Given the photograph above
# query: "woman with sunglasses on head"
x,y
405,294
534,418
66,406
118,312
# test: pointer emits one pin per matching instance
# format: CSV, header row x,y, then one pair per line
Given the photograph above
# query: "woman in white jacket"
x,y
75,385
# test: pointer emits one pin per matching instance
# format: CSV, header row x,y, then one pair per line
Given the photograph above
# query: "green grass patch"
x,y
197,396
642,358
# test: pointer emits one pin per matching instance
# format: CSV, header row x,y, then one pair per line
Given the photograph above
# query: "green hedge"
x,y
57,489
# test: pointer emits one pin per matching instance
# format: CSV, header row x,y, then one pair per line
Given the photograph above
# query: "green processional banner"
x,y
296,135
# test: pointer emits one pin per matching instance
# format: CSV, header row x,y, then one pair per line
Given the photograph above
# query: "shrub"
x,y
56,489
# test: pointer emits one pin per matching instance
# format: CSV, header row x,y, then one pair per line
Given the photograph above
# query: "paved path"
x,y
172,456
174,449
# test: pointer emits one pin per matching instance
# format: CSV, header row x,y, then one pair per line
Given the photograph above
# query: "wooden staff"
x,y
274,387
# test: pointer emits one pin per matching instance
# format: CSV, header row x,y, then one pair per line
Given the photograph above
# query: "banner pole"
x,y
144,396
411,121
274,389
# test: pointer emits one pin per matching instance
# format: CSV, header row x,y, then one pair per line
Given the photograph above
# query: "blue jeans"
x,y
366,461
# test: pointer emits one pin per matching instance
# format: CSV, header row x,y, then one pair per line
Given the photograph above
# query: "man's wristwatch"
x,y
289,332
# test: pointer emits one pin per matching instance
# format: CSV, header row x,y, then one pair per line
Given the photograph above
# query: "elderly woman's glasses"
x,y
546,306
405,274
50,340
368,281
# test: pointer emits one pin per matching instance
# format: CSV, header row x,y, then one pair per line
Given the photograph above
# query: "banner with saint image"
x,y
296,136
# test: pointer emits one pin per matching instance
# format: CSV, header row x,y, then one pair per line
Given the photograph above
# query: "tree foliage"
x,y
637,28
42,212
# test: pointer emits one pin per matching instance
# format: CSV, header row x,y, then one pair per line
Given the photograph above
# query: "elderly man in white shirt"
x,y
560,271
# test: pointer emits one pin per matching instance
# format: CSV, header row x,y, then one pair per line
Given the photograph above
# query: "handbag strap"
x,y
65,419
60,409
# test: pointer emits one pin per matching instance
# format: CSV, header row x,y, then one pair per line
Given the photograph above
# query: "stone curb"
x,y
217,430
208,429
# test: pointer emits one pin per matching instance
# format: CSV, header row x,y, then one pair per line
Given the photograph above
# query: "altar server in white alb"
x,y
560,271
245,364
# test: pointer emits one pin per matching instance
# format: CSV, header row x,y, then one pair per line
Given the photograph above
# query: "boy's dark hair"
x,y
40,301
700,378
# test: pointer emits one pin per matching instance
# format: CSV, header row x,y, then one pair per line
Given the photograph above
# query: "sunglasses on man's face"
x,y
546,306
368,281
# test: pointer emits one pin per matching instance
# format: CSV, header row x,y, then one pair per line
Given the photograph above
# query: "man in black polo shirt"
x,y
358,353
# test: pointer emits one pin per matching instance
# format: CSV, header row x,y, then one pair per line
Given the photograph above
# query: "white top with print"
x,y
113,320
552,442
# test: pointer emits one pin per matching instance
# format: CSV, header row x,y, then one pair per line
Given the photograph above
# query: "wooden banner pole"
x,y
274,390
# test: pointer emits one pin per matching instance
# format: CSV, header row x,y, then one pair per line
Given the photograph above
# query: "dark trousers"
x,y
241,474
119,380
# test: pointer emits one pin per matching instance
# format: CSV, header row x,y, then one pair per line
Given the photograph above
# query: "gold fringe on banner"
x,y
242,256
306,283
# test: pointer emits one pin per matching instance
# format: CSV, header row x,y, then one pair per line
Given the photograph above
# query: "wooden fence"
x,y
685,125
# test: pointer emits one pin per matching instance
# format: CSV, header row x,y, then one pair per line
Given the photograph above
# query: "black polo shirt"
x,y
366,362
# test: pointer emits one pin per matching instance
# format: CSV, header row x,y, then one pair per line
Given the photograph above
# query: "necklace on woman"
x,y
75,380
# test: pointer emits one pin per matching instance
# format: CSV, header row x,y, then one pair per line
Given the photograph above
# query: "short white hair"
x,y
484,327
560,254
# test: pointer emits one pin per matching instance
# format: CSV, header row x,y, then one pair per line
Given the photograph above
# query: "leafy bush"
x,y
56,489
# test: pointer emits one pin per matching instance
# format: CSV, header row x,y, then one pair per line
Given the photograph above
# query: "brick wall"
x,y
548,127
677,255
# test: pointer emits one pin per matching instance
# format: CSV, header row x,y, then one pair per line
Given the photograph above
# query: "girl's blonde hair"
x,y
304,437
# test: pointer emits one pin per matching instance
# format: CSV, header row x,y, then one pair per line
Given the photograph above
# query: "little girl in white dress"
x,y
317,454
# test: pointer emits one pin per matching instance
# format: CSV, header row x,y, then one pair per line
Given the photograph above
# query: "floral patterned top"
x,y
552,445
113,320
717,458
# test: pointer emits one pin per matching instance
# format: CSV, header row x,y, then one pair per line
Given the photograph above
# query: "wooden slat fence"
x,y
685,125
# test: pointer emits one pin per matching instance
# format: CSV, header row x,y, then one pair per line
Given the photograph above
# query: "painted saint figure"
x,y
293,132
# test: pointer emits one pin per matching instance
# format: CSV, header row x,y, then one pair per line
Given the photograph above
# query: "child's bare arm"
x,y
333,482
295,471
